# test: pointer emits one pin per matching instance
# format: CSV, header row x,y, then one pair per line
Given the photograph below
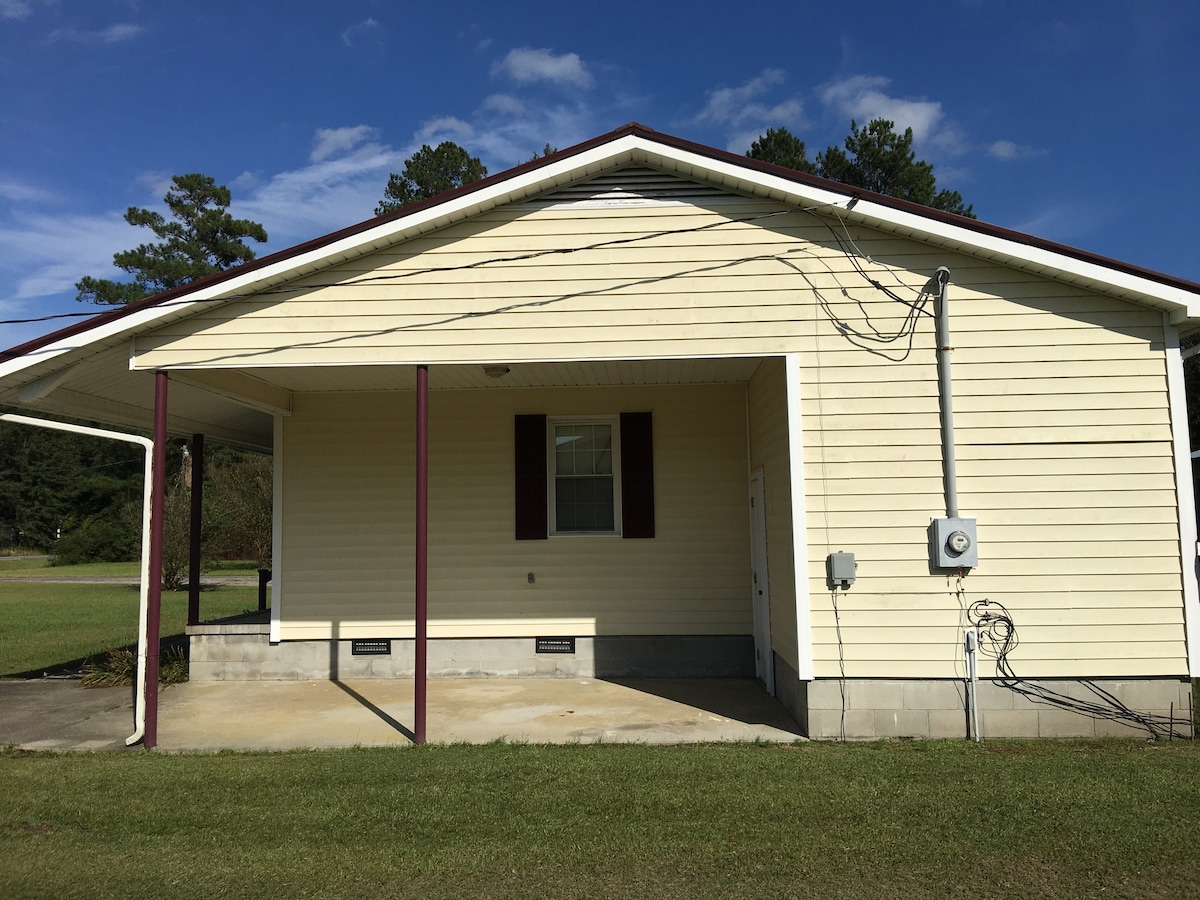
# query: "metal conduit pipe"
x,y
941,278
139,715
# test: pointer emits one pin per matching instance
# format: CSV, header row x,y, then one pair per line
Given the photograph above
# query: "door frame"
x,y
760,588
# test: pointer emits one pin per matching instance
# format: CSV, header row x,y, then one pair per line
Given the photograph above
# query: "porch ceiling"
x,y
591,373
236,406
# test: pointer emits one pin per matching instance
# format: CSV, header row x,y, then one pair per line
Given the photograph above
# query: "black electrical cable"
x,y
998,638
428,270
850,253
837,626
860,339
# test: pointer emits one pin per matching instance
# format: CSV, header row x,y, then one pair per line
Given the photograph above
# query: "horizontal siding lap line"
x,y
1013,542
1163,638
549,322
987,454
1000,567
633,346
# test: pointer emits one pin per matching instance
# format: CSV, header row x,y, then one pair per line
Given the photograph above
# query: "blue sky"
x,y
1076,122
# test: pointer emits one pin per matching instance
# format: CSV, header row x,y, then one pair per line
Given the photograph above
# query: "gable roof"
x,y
634,143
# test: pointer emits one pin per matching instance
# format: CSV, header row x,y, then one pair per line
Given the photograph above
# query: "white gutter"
x,y
139,716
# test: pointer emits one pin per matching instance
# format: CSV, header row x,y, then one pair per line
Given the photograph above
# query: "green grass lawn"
x,y
928,819
24,567
56,627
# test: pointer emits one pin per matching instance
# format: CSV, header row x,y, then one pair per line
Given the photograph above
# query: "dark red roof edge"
x,y
633,128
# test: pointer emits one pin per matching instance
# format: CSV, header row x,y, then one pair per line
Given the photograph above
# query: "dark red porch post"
x,y
422,541
158,478
197,462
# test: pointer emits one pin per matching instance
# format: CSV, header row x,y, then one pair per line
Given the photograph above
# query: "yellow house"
x,y
694,415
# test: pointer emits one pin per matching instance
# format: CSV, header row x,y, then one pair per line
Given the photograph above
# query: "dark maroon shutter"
x,y
531,485
637,475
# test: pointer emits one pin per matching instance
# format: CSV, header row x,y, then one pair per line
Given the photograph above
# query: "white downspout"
x,y
139,715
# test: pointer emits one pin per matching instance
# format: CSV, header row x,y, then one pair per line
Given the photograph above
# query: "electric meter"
x,y
952,543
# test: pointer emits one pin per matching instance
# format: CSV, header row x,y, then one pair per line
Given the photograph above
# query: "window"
x,y
584,477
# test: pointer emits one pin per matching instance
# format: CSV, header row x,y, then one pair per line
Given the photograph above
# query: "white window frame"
x,y
613,422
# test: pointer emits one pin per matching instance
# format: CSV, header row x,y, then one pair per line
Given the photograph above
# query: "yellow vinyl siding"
x,y
348,541
1063,435
683,294
1064,457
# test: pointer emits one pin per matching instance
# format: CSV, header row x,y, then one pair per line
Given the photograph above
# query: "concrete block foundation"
x,y
242,651
899,708
829,709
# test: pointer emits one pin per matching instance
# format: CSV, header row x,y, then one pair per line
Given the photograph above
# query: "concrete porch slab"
x,y
285,715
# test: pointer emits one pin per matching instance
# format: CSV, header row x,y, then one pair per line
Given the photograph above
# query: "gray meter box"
x,y
840,568
953,544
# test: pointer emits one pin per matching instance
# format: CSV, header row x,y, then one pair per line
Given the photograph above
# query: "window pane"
x,y
584,504
583,477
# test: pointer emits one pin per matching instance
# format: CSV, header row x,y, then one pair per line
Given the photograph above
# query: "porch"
x,y
283,715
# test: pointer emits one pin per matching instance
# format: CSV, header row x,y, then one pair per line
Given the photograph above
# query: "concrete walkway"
x,y
58,714
281,715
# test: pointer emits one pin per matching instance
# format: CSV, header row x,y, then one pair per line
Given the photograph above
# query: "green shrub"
x,y
118,666
97,539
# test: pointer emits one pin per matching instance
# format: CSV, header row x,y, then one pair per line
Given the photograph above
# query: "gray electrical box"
x,y
952,543
840,568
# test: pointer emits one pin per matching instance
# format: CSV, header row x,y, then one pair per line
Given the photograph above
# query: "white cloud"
x,y
741,108
26,193
246,182
1007,150
21,9
444,128
329,193
503,103
114,34
862,98
56,251
727,105
526,65
15,9
356,32
337,141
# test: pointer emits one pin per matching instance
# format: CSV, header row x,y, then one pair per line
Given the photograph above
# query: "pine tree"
x,y
201,238
430,172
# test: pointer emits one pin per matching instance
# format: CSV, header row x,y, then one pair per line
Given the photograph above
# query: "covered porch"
x,y
707,588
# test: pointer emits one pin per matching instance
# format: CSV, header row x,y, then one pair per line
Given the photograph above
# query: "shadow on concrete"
x,y
739,699
359,698
391,722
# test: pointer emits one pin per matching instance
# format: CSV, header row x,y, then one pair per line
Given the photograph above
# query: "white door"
x,y
764,661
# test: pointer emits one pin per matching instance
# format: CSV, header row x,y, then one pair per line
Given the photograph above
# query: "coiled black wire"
x,y
998,637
